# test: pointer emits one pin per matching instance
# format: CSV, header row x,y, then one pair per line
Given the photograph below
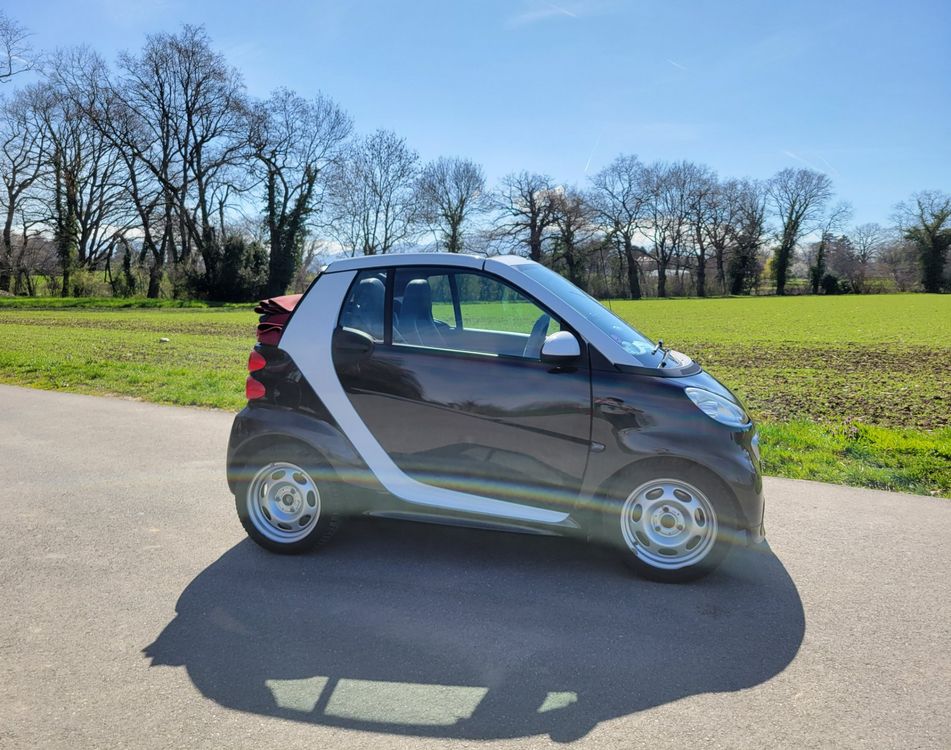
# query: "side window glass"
x,y
363,307
466,312
423,313
489,305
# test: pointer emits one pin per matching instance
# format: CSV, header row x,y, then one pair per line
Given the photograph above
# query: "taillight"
x,y
254,389
256,361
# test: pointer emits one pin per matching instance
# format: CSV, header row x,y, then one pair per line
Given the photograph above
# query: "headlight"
x,y
716,407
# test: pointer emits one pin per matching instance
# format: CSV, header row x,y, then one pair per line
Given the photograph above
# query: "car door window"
x,y
423,308
498,319
363,308
466,312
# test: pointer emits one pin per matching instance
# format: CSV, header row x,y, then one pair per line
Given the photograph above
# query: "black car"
x,y
493,393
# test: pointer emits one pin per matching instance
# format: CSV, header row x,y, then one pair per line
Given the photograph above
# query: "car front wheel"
x,y
675,526
281,506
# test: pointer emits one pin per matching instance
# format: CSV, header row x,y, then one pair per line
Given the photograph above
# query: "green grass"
x,y
113,303
855,390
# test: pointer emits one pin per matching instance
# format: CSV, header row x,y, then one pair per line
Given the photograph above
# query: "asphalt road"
x,y
133,613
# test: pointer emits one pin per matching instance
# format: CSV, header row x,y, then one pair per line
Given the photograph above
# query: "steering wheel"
x,y
533,347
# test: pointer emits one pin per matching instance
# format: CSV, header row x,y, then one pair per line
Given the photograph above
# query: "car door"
x,y
455,391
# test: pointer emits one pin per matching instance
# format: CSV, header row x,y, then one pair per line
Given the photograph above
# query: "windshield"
x,y
631,340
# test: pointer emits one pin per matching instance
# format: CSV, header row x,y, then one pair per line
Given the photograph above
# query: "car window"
x,y
364,305
466,312
490,305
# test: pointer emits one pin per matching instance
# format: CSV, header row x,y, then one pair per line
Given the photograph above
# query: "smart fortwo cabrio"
x,y
488,392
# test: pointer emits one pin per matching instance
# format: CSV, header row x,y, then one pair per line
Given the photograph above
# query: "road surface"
x,y
133,613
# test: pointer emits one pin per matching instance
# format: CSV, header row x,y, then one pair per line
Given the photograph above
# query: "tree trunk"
x,y
282,261
155,278
661,278
818,271
633,282
932,257
454,243
6,257
535,246
721,271
781,264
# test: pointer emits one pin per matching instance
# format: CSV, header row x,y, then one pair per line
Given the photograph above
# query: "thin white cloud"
x,y
816,161
802,160
594,148
677,65
831,170
539,13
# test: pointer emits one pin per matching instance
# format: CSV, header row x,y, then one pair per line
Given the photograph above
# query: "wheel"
x,y
281,507
675,524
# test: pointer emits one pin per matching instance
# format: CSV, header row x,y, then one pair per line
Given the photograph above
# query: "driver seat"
x,y
416,316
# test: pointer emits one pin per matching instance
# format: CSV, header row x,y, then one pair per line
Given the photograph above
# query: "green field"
x,y
854,390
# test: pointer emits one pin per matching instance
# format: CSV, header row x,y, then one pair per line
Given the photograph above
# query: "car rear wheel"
x,y
281,506
674,526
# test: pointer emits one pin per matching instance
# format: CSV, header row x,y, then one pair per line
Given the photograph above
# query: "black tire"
x,y
637,554
317,472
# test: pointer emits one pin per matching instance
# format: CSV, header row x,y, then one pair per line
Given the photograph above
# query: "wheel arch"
x,y
614,490
240,461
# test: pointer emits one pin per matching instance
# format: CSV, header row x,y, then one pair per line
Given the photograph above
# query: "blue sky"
x,y
861,90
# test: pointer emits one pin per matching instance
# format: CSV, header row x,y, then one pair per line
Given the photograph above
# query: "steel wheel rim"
x,y
669,524
283,502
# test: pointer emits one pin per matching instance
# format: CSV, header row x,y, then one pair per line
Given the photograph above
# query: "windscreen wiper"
x,y
664,349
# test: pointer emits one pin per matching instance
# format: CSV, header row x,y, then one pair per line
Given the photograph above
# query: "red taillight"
x,y
253,389
256,361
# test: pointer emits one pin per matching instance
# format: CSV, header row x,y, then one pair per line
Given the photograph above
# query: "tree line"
x,y
159,175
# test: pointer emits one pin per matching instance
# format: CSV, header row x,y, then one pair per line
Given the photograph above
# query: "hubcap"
x,y
669,524
283,502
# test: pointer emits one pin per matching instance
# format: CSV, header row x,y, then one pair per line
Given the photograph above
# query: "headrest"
x,y
417,300
370,294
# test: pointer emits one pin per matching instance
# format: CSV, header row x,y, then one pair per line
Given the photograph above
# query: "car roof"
x,y
456,260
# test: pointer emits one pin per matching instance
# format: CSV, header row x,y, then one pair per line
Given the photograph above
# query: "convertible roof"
x,y
457,260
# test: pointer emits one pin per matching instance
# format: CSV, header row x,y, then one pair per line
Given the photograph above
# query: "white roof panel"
x,y
388,260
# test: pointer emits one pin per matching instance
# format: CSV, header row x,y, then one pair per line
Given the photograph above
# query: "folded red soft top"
x,y
277,305
274,313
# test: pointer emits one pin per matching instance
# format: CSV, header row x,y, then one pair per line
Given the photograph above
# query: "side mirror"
x,y
351,346
560,348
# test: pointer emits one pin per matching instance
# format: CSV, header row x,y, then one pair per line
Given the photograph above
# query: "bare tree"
x,y
867,242
372,196
525,203
450,191
574,231
798,198
748,230
619,198
294,142
704,213
720,219
84,179
830,224
898,258
15,50
183,117
867,239
666,215
925,220
22,143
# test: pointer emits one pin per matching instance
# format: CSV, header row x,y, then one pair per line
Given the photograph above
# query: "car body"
x,y
433,387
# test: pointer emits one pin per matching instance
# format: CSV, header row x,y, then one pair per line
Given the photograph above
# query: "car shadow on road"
x,y
445,632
